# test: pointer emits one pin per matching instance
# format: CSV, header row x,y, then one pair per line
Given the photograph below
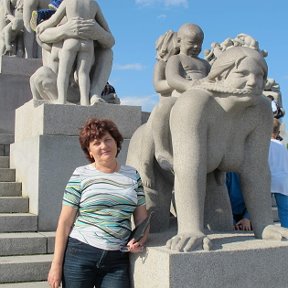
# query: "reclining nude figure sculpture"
x,y
222,124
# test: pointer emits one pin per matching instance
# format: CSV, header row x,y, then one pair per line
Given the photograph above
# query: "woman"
x,y
94,224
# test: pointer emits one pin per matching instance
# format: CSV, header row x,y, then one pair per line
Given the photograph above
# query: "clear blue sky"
x,y
136,25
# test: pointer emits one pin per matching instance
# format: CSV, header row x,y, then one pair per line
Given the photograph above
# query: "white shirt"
x,y
278,163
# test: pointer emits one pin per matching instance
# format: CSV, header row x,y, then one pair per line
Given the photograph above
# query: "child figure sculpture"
x,y
182,71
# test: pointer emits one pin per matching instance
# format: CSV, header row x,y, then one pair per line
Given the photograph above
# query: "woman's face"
x,y
249,75
104,149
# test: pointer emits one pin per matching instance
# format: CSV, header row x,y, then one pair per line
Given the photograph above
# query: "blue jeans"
x,y
282,205
86,266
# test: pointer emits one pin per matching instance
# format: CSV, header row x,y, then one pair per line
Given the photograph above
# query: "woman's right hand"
x,y
55,275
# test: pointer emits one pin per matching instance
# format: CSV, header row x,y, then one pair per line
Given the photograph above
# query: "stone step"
x,y
4,149
26,285
7,175
28,268
6,138
10,189
26,243
4,161
14,204
18,222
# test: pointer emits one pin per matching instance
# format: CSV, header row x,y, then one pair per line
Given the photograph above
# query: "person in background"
x,y
278,163
95,221
278,111
241,216
38,16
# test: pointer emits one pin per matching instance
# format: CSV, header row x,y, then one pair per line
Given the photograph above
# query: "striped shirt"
x,y
105,202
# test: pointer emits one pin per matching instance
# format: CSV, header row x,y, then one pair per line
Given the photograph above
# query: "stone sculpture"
x,y
52,38
81,50
271,88
241,39
156,132
222,124
15,39
179,53
12,28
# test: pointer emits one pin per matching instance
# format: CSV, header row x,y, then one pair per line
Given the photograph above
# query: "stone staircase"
x,y
25,254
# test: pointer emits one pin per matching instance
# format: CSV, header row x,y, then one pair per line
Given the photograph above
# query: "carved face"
x,y
191,44
248,75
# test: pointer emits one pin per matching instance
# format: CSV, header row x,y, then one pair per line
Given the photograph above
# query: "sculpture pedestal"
x,y
14,88
238,260
47,150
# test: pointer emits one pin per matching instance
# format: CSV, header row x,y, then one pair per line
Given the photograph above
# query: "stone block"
x,y
22,244
10,189
24,268
238,260
14,205
18,222
53,119
15,66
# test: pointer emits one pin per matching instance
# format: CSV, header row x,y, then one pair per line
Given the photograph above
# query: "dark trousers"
x,y
86,266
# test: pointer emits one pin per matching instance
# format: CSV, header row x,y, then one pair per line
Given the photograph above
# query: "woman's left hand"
x,y
135,247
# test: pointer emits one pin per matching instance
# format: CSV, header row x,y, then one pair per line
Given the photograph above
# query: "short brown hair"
x,y
95,129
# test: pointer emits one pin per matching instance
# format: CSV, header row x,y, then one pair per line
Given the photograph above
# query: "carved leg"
x,y
84,63
66,61
158,200
161,132
218,213
189,138
100,73
159,192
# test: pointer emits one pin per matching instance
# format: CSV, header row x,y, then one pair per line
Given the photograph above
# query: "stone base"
x,y
46,150
238,260
5,141
14,88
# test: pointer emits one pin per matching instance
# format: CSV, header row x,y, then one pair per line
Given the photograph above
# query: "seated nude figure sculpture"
x,y
222,124
72,49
